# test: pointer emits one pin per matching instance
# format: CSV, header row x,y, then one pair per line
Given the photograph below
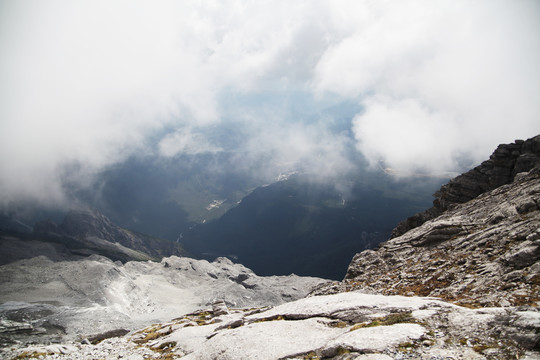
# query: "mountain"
x,y
8,224
309,228
166,195
461,285
480,252
82,233
507,161
338,327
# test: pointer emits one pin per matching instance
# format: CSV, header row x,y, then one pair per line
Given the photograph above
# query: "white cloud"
x,y
186,141
454,68
282,147
406,136
86,82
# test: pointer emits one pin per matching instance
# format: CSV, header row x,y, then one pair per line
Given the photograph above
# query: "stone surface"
x,y
220,308
82,233
96,232
462,284
68,299
375,327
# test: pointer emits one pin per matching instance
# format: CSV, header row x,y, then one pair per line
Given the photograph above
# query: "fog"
x,y
85,85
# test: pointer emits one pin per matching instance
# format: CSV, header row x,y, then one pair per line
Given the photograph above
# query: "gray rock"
x,y
96,295
484,252
219,308
9,326
393,327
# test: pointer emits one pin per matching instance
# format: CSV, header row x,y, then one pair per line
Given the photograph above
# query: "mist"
x,y
85,86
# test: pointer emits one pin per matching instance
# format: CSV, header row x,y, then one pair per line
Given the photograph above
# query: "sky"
x,y
84,85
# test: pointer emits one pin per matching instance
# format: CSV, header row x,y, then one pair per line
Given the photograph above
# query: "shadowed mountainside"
x,y
306,228
482,254
81,234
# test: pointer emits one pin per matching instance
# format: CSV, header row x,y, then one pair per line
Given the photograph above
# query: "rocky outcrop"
x,y
485,252
64,299
504,164
342,326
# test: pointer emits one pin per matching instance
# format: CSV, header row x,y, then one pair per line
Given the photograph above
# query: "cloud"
x,y
84,85
406,136
438,82
186,141
282,147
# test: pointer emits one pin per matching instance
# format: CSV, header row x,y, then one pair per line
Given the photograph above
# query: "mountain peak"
x,y
506,162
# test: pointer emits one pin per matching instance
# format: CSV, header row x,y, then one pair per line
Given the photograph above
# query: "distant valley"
x,y
308,228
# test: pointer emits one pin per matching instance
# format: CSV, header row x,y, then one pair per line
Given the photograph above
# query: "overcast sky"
x,y
85,84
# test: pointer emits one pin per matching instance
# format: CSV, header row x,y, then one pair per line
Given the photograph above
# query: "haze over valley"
x,y
328,179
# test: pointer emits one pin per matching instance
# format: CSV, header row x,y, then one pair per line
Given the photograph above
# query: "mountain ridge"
x,y
307,228
501,168
481,252
82,233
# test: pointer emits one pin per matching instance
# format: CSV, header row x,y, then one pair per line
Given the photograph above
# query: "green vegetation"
x,y
391,319
152,333
407,346
30,355
311,356
274,318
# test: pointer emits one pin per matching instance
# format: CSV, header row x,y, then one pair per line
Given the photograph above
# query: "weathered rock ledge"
x,y
342,326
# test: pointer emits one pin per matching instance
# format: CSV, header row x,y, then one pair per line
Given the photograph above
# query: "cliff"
x,y
481,250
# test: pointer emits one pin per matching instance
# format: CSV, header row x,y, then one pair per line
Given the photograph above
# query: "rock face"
x,y
463,283
93,224
483,252
50,301
504,164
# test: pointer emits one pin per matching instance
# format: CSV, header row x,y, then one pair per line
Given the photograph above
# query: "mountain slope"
x,y
83,233
501,168
53,301
342,326
483,252
297,226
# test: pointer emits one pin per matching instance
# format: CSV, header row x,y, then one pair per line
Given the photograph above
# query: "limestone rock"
x,y
382,327
220,308
96,295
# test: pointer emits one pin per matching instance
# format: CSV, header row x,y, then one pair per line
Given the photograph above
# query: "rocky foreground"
x,y
342,326
485,252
